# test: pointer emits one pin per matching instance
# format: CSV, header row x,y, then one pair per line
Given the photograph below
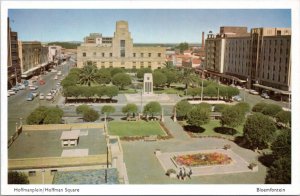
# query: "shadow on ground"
x,y
225,130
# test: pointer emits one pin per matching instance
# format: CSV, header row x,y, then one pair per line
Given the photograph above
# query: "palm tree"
x,y
88,74
187,76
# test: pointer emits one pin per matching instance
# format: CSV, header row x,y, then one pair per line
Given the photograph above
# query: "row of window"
x,y
122,54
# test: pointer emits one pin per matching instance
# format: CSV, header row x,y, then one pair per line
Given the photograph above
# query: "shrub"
x,y
170,171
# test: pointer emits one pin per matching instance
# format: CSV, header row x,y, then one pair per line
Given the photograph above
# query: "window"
x,y
110,64
134,55
122,48
149,54
94,53
84,54
103,54
142,54
110,54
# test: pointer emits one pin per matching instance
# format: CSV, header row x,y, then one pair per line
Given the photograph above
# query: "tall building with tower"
x,y
118,51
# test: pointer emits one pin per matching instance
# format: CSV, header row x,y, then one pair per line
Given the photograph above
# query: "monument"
x,y
148,84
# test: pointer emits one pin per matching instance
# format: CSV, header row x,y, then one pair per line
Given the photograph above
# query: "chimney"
x,y
202,40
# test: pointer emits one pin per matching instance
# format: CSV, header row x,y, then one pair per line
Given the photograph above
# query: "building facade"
x,y
260,58
118,51
30,55
13,60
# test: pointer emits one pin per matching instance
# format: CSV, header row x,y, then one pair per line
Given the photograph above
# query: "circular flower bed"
x,y
201,159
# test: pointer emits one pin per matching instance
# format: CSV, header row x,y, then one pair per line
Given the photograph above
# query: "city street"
x,y
19,107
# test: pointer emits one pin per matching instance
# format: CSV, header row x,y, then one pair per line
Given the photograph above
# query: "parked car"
x,y
237,98
35,93
21,86
15,88
253,92
59,73
54,70
265,95
49,96
56,77
42,82
30,97
33,87
11,92
42,96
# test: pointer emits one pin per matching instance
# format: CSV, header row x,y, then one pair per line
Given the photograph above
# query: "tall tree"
x,y
182,47
15,177
121,80
130,108
232,117
107,109
140,72
159,79
152,108
259,131
183,107
198,116
187,76
88,74
103,76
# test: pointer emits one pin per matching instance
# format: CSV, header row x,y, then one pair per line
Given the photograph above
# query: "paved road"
x,y
19,107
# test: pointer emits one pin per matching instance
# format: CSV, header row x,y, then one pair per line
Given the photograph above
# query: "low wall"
x,y
54,127
14,136
49,162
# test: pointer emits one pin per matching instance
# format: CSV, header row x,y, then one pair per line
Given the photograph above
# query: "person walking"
x,y
190,173
184,174
180,174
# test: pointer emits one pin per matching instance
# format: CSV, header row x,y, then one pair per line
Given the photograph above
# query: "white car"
x,y
49,96
56,77
59,73
253,92
35,93
33,87
11,92
42,96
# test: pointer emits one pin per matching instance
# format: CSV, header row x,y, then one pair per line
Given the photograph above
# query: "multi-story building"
x,y
54,53
259,59
118,51
13,61
30,55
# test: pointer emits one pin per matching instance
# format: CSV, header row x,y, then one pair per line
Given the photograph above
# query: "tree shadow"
x,y
225,130
266,159
240,141
193,129
108,119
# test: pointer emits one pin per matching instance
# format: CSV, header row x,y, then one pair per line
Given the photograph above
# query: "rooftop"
x,y
37,144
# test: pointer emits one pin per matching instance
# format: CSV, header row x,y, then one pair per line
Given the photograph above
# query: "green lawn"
x,y
137,128
209,129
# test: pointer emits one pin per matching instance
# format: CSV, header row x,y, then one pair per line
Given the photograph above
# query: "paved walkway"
x,y
176,130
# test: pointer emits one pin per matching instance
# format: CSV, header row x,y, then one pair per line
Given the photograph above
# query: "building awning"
x,y
30,70
273,89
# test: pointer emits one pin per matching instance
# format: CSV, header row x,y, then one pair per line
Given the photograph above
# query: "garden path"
x,y
176,130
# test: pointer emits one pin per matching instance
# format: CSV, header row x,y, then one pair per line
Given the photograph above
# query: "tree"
x,y
53,115
279,172
183,107
271,110
121,80
88,74
232,91
152,108
232,117
37,116
90,115
243,107
103,76
259,131
115,71
193,92
159,79
182,47
107,109
170,74
82,108
169,65
282,145
284,117
187,76
220,107
130,108
88,91
210,91
140,73
111,91
198,116
259,107
100,91
15,177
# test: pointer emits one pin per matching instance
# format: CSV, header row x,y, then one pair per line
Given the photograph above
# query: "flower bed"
x,y
202,159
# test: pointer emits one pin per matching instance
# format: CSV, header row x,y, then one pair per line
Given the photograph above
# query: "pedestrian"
x,y
184,174
180,173
190,173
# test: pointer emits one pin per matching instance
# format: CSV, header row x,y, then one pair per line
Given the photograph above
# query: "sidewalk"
x,y
176,130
